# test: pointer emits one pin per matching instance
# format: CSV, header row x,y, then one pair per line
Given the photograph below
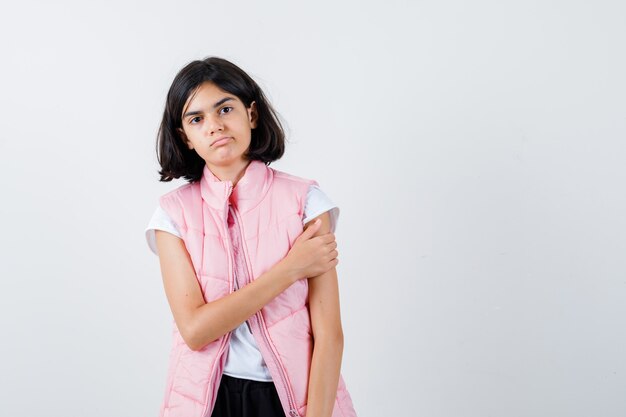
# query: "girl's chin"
x,y
225,160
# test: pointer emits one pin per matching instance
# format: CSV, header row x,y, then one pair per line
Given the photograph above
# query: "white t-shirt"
x,y
244,359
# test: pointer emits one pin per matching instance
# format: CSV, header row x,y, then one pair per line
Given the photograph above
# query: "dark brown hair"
x,y
267,143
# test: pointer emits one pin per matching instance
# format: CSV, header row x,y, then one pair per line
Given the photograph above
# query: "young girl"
x,y
248,259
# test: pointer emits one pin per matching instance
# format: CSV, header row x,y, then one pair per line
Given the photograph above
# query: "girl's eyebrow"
x,y
216,105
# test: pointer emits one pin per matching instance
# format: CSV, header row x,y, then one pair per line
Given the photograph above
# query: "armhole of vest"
x,y
309,183
170,207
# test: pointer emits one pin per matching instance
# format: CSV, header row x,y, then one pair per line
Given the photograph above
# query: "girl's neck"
x,y
232,172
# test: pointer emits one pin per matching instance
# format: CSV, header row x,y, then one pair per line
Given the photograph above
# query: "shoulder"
x,y
282,176
179,192
181,196
289,187
179,203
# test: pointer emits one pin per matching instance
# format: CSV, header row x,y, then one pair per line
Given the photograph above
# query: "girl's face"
x,y
218,126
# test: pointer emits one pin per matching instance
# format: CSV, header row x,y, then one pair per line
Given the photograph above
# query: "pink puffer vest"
x,y
269,206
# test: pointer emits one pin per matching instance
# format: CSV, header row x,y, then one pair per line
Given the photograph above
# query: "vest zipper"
x,y
293,410
212,393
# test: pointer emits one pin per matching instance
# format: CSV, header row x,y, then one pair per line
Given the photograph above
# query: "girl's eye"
x,y
227,109
194,120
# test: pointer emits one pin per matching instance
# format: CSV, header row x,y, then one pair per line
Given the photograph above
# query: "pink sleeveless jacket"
x,y
268,205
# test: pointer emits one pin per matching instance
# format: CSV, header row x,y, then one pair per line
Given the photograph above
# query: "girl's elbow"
x,y
339,338
189,339
193,345
194,339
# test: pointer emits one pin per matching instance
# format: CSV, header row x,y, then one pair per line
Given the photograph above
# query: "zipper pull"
x,y
229,194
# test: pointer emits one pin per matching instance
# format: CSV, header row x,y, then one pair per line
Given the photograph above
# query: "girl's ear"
x,y
181,132
253,115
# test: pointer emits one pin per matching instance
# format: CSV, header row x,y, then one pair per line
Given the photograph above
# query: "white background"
x,y
476,150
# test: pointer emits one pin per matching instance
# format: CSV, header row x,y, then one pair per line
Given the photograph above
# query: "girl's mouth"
x,y
220,141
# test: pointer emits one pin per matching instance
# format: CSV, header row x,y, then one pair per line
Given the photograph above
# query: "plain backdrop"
x,y
476,150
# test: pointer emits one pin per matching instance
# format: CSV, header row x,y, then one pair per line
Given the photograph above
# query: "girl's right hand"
x,y
312,256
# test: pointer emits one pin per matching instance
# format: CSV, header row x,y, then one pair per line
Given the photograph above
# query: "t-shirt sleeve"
x,y
160,221
317,202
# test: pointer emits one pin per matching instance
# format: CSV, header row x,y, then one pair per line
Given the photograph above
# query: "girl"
x,y
248,259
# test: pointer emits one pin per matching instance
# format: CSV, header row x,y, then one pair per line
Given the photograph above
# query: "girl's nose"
x,y
214,124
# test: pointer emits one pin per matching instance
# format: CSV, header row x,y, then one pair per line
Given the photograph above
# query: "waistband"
x,y
241,385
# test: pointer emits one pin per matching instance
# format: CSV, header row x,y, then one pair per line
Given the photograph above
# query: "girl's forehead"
x,y
206,95
208,91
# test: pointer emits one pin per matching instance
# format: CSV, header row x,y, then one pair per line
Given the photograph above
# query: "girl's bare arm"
x,y
199,322
328,335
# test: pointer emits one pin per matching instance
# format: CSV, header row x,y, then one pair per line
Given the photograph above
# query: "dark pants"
x,y
238,397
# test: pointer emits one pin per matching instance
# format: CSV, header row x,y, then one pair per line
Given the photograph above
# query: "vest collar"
x,y
249,191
